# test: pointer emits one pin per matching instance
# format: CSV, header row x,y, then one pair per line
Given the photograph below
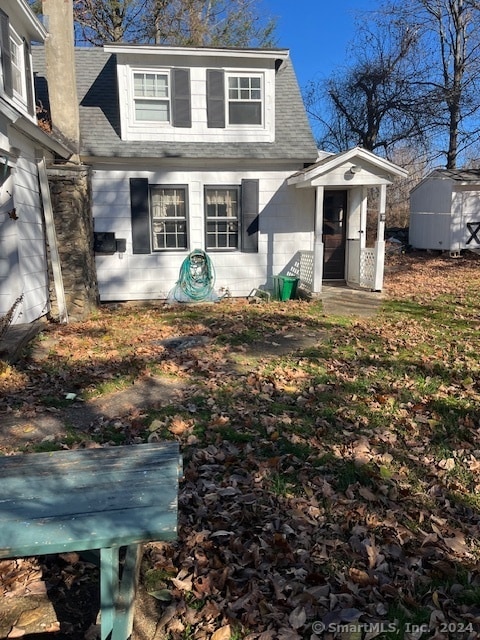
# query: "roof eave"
x,y
260,54
44,139
36,29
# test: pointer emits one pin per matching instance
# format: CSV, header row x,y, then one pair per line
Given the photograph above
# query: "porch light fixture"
x,y
355,169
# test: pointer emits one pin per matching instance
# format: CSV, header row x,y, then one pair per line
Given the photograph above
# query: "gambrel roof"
x,y
100,117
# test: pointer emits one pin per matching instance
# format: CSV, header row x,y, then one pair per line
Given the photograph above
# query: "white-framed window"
x,y
17,56
168,206
151,96
222,211
245,99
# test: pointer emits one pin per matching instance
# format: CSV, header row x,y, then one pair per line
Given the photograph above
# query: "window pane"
x,y
148,89
152,110
150,85
245,112
16,52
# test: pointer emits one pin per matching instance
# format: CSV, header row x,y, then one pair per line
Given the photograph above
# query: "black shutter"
x,y
28,77
250,216
6,56
215,99
140,215
181,102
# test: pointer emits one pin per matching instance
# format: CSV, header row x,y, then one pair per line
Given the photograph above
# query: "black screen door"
x,y
334,226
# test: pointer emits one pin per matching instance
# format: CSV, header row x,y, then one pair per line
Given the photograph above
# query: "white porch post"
x,y
380,243
317,243
363,218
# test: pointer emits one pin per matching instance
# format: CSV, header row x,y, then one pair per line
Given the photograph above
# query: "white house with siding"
x,y
207,148
23,145
445,211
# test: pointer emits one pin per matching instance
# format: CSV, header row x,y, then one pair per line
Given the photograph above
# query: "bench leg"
x,y
117,596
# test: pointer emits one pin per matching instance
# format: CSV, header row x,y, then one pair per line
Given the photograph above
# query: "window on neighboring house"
x,y
18,67
245,103
151,96
169,217
222,207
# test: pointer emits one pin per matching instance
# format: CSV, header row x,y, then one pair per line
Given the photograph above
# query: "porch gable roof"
x,y
350,168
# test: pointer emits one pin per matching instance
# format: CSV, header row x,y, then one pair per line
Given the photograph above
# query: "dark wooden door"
x,y
334,227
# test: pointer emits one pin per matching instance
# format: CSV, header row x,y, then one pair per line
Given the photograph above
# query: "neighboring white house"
x,y
211,149
445,211
23,263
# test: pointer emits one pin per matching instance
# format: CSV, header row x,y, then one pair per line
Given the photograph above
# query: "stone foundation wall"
x,y
71,202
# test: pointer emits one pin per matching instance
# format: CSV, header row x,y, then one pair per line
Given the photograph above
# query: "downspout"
x,y
52,240
380,243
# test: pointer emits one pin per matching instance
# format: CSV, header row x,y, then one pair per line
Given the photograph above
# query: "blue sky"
x,y
317,33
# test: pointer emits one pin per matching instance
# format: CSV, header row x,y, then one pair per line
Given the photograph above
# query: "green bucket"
x,y
285,287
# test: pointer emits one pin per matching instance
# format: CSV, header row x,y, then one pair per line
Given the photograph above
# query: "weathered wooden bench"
x,y
88,499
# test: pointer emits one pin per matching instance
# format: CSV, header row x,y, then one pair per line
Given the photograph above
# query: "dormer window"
x,y
235,100
160,97
244,100
151,96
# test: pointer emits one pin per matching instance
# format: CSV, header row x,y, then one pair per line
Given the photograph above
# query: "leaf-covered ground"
x,y
329,492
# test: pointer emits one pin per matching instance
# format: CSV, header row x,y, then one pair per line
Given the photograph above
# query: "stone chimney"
x,y
61,76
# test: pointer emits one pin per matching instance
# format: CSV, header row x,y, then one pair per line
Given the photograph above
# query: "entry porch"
x,y
340,253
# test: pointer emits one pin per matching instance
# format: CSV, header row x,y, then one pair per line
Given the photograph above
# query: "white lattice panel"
x,y
302,268
306,269
367,268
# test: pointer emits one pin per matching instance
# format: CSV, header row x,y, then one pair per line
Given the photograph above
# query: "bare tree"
x,y
370,102
235,23
210,23
450,42
100,21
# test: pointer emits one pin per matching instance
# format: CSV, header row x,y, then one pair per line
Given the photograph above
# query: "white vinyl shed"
x,y
445,211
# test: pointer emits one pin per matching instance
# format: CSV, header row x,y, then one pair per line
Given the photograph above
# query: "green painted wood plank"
x,y
113,529
124,606
87,459
66,495
79,505
109,585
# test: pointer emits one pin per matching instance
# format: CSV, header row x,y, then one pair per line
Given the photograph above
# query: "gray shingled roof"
x,y
458,175
100,118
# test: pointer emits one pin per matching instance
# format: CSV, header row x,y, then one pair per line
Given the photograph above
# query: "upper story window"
x,y
15,66
235,99
160,97
18,66
151,96
245,104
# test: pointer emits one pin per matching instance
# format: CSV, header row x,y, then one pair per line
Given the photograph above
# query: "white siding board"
x,y
27,256
434,195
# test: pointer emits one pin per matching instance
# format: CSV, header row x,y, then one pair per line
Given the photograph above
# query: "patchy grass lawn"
x,y
332,490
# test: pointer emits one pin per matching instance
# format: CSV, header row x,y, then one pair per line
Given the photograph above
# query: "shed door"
x,y
334,227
